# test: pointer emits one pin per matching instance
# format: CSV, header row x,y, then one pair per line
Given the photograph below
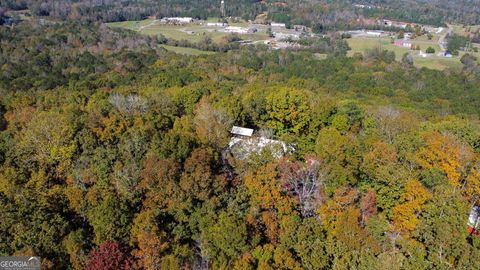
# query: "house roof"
x,y
242,131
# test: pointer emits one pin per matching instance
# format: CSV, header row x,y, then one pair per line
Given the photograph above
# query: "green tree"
x,y
111,219
288,111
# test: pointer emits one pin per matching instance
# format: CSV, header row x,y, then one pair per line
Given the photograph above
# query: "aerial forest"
x,y
114,154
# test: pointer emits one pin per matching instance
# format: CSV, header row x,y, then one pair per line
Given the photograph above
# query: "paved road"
x,y
441,40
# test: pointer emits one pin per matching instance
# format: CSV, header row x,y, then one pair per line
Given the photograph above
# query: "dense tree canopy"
x,y
114,155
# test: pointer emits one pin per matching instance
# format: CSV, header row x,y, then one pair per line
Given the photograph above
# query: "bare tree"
x,y
129,104
266,132
201,258
305,181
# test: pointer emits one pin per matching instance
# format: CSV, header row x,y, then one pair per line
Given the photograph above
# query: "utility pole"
x,y
222,8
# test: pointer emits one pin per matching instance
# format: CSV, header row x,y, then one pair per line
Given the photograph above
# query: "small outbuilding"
x,y
241,131
474,221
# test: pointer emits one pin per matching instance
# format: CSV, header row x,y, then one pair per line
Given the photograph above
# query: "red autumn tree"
x,y
368,205
109,256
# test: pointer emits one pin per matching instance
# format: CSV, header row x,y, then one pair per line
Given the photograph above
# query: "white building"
x,y
392,23
274,24
177,20
283,36
374,33
240,131
243,144
217,24
236,29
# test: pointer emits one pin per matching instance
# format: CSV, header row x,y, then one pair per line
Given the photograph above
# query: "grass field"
x,y
438,63
132,25
195,33
191,32
464,31
186,51
361,44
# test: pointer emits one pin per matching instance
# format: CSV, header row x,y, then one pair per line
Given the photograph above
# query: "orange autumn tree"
x,y
269,202
405,214
266,191
149,239
330,210
445,153
346,237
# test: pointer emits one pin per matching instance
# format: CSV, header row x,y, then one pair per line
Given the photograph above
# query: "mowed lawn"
x,y
361,44
132,25
190,32
465,30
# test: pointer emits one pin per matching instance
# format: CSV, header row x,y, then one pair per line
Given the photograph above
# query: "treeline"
x,y
433,12
206,43
127,165
112,10
318,14
331,15
331,45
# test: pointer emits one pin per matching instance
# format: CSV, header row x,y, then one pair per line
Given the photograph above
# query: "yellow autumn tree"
x,y
405,217
445,153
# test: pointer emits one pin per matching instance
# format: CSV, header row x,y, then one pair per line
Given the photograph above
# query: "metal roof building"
x,y
247,132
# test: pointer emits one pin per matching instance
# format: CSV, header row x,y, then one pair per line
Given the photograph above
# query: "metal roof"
x,y
242,131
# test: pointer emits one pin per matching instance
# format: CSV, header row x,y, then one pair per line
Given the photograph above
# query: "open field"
x,y
464,31
186,51
361,44
193,32
132,25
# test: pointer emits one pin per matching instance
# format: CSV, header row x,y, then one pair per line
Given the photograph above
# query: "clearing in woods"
x,y
434,61
194,32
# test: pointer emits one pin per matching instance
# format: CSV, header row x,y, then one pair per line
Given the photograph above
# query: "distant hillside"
x,y
320,13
